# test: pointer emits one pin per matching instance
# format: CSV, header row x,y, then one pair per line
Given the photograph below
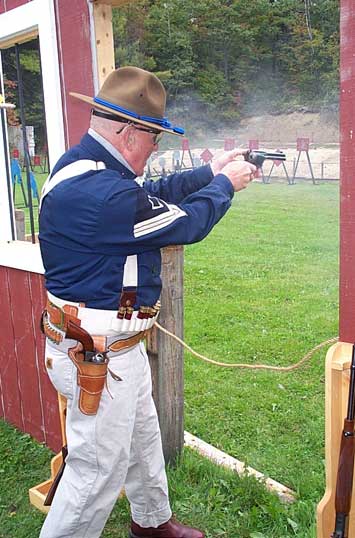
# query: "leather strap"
x,y
118,345
73,169
65,319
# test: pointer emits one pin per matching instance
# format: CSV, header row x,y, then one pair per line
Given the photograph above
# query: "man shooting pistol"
x,y
100,235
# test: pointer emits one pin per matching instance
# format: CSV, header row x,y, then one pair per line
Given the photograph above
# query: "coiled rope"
x,y
298,364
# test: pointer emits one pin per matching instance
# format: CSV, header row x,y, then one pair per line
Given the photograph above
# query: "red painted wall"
x,y
347,171
27,398
7,5
75,58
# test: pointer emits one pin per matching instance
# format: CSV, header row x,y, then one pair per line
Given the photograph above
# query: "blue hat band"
x,y
164,123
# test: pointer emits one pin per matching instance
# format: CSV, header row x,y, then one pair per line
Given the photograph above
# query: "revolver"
x,y
257,157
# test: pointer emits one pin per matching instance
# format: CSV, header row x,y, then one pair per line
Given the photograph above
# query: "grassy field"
x,y
20,198
262,288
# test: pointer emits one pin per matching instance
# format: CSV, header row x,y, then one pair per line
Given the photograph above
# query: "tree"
x,y
32,87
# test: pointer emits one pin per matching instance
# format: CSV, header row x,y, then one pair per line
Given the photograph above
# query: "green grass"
x,y
20,200
262,288
202,494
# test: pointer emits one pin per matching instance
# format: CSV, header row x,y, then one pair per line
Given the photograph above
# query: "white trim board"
x,y
18,22
21,255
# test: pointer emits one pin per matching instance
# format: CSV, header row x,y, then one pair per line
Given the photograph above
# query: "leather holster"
x,y
91,378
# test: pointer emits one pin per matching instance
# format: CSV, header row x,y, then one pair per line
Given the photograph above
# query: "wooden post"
x,y
166,355
337,375
105,54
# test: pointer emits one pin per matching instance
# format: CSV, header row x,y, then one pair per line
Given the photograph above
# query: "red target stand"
x,y
254,144
206,156
185,147
303,146
229,144
276,162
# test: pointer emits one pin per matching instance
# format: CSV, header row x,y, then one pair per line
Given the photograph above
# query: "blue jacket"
x,y
90,223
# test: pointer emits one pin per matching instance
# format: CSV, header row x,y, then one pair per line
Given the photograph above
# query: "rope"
x,y
298,364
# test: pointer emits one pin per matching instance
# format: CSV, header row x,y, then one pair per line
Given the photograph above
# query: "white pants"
x,y
119,446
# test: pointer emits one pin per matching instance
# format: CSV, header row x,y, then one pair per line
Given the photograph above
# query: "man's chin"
x,y
139,171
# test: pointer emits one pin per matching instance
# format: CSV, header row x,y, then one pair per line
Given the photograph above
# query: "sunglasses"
x,y
158,135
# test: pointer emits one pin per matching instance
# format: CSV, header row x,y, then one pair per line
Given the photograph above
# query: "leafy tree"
x,y
32,87
226,58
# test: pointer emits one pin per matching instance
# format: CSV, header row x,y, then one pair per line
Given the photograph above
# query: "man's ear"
x,y
129,137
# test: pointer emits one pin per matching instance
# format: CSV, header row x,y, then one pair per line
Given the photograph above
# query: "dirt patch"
x,y
286,128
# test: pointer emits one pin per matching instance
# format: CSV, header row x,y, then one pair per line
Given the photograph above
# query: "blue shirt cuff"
x,y
224,182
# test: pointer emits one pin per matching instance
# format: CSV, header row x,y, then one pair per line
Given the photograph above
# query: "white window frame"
x,y
37,15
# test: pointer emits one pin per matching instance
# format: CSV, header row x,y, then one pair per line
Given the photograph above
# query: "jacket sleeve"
x,y
177,187
135,221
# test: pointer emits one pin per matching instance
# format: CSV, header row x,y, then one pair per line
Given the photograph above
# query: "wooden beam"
x,y
219,457
113,3
105,54
166,356
19,38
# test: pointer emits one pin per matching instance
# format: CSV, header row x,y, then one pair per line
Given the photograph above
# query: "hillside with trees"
x,y
224,59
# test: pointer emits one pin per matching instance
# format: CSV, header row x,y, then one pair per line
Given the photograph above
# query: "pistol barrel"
x,y
257,157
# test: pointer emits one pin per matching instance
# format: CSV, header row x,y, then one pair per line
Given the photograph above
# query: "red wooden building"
x,y
76,50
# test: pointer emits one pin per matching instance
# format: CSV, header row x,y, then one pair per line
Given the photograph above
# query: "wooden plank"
x,y
166,356
337,376
19,38
39,493
10,394
105,54
23,331
113,3
347,165
285,494
48,395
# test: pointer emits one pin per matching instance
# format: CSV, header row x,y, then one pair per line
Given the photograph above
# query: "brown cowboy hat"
x,y
136,95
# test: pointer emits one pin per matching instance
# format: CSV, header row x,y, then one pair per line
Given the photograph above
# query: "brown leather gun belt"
x,y
55,329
